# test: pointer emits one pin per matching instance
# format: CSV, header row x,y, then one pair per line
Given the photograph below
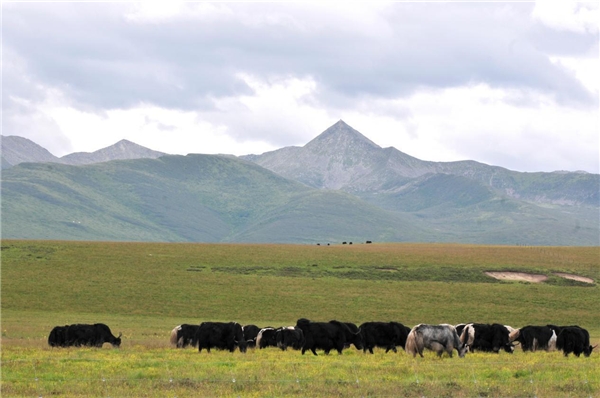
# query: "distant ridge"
x,y
16,150
122,150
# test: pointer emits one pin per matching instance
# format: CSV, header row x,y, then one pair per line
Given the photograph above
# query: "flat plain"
x,y
145,289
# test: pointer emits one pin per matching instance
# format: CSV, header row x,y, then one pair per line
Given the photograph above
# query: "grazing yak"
x,y
439,338
92,335
58,336
184,335
573,339
353,336
289,336
326,336
533,338
386,335
221,335
487,338
82,335
266,338
250,334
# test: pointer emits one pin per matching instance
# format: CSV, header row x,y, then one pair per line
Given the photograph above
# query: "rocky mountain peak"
x,y
341,135
17,150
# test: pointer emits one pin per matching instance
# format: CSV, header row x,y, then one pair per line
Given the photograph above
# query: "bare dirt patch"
x,y
517,276
574,277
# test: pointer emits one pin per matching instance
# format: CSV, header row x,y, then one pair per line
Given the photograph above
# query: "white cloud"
x,y
484,124
280,111
586,70
576,16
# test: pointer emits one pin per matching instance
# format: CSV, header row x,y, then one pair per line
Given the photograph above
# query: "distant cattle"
x,y
221,335
289,336
266,338
78,335
439,338
326,336
486,337
533,338
58,336
573,339
368,242
184,335
250,334
388,335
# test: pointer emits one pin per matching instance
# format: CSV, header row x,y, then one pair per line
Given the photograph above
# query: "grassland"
x,y
144,289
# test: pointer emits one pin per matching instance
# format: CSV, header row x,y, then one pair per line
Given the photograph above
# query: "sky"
x,y
510,84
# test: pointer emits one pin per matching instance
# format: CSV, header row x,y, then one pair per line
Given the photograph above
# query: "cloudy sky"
x,y
508,84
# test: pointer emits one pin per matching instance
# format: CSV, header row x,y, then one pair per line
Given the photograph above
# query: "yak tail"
x,y
512,336
413,342
174,335
468,335
552,342
259,338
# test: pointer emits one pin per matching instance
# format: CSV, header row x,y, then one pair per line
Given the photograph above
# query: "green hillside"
x,y
205,198
460,209
184,198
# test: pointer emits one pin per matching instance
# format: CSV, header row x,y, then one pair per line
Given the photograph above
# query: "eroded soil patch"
x,y
517,276
575,277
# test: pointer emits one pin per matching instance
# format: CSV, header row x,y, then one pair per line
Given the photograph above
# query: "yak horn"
x,y
120,334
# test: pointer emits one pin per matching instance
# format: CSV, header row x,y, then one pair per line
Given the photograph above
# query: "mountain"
x,y
16,150
121,150
343,159
198,198
338,187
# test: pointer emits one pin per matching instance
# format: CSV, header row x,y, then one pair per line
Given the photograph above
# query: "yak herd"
x,y
335,335
311,336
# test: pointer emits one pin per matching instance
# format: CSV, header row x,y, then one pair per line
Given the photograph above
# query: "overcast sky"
x,y
508,84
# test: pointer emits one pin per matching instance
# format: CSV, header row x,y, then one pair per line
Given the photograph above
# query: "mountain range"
x,y
16,150
338,187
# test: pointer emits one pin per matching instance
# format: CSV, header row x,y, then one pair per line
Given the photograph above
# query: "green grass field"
x,y
145,289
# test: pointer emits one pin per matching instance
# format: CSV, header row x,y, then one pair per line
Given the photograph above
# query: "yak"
x,y
439,338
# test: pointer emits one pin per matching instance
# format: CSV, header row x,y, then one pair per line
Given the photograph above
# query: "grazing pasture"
x,y
144,290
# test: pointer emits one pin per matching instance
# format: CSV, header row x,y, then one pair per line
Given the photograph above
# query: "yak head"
x,y
117,341
588,352
462,350
357,340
